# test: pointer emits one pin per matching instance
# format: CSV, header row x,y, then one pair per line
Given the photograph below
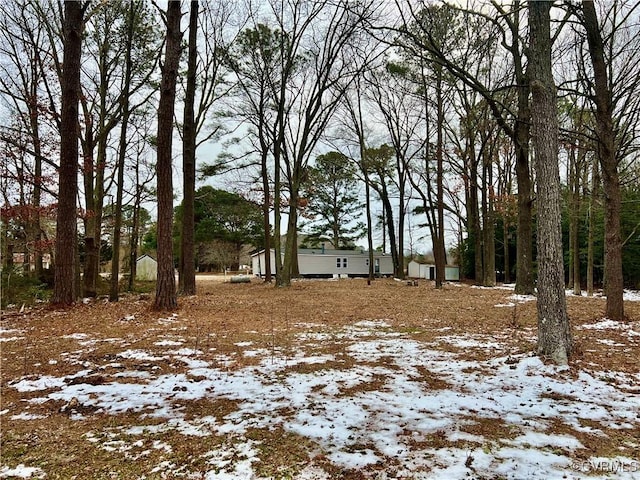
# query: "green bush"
x,y
19,289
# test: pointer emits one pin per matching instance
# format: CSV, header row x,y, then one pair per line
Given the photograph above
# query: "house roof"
x,y
145,255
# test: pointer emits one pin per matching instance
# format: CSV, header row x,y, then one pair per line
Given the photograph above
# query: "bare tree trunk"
x,y
90,254
489,232
135,231
122,153
367,188
64,291
187,272
439,252
265,215
606,148
393,244
358,123
277,189
166,285
507,258
289,248
554,332
575,222
474,223
595,182
520,136
37,185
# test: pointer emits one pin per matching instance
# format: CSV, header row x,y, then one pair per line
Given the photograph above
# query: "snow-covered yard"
x,y
370,398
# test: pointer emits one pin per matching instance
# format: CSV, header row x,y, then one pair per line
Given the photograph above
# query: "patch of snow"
x,y
255,353
611,343
5,331
537,439
471,342
186,352
21,471
605,324
168,343
132,374
521,298
226,468
76,336
366,413
10,339
138,355
631,296
499,305
192,362
27,416
41,383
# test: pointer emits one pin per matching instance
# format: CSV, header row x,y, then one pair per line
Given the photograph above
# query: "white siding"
x,y
329,264
258,261
427,270
146,268
413,269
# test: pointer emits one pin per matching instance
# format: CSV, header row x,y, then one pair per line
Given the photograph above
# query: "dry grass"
x,y
223,315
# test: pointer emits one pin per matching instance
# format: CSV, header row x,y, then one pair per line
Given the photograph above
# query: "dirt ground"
x,y
43,342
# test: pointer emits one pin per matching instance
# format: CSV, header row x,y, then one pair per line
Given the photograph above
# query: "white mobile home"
x,y
416,269
320,262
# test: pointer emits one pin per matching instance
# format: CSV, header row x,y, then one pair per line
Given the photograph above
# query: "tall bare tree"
x,y
609,161
211,30
23,83
141,52
66,227
420,38
187,273
554,332
330,47
166,283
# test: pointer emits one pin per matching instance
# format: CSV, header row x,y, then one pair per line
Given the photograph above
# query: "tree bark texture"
x,y
554,333
520,137
187,237
524,243
66,227
165,285
595,182
264,168
606,150
439,249
489,230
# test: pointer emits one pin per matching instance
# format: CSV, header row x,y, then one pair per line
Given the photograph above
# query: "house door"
x,y
432,273
376,266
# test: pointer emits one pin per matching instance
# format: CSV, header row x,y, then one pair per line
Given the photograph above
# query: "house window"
x,y
366,261
341,262
338,263
344,263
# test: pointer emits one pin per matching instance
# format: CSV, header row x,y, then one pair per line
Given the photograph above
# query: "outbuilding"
x,y
324,263
146,268
417,269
